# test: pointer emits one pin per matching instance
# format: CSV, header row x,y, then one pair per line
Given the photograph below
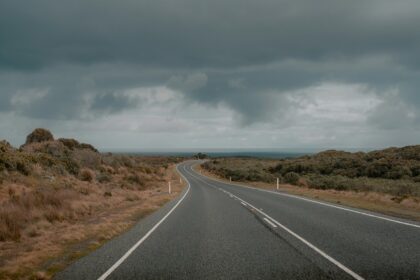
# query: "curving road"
x,y
216,230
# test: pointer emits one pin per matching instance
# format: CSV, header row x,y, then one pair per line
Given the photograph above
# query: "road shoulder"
x,y
369,201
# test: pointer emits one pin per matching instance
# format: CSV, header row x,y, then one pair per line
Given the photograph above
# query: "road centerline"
x,y
318,202
303,240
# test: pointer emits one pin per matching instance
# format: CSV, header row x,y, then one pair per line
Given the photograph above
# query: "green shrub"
x,y
329,182
291,178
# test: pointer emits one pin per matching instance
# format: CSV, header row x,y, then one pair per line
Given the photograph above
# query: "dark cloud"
x,y
189,33
110,102
69,58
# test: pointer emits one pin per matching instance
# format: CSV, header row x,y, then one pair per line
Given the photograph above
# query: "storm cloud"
x,y
263,65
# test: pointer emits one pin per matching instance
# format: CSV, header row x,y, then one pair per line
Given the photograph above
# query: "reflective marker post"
x,y
278,183
169,187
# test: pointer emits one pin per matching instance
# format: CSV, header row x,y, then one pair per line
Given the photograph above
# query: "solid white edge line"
x,y
307,243
270,222
313,247
317,202
134,247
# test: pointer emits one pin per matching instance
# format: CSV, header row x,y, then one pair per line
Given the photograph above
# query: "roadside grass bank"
x,y
60,200
394,197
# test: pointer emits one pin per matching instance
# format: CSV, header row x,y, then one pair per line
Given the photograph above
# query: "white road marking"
x,y
313,247
270,223
243,203
320,203
131,250
307,243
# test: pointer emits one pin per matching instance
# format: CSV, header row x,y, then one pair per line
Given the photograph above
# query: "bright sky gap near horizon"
x,y
187,74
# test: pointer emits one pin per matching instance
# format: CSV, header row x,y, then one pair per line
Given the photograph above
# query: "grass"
x,y
60,200
260,170
398,197
64,228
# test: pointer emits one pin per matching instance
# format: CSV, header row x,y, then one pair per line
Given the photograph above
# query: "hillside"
x,y
389,178
57,193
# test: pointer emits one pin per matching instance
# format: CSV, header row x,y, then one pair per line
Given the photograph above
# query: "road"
x,y
216,230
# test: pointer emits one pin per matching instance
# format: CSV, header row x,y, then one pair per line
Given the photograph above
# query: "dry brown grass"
x,y
44,229
59,197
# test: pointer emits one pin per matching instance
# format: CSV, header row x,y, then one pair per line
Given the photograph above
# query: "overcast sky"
x,y
166,74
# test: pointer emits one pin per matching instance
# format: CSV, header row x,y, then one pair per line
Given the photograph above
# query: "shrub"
x,y
134,179
201,156
5,146
291,178
71,166
398,172
69,143
39,135
103,178
10,225
329,182
86,175
88,147
109,194
237,175
23,167
87,158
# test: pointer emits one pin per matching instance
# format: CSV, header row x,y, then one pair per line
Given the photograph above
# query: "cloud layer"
x,y
213,73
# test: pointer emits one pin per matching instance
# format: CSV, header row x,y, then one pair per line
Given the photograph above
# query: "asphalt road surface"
x,y
216,230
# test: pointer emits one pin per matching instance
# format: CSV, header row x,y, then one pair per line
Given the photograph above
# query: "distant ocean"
x,y
214,153
221,153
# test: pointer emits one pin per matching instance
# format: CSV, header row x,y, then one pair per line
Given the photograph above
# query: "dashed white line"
x,y
303,240
313,247
320,203
270,223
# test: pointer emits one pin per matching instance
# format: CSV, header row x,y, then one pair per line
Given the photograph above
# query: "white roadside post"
x,y
169,187
277,183
230,179
180,180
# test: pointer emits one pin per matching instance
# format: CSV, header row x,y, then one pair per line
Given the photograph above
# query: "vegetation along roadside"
x,y
386,181
61,199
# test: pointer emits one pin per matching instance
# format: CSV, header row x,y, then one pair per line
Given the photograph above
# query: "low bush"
x,y
39,135
86,175
385,172
103,178
134,179
109,194
10,223
291,178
